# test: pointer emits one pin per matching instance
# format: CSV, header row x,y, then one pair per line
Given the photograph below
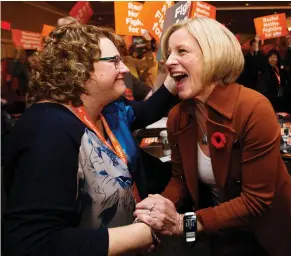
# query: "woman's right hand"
x,y
160,213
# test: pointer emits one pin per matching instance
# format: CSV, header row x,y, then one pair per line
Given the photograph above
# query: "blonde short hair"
x,y
223,60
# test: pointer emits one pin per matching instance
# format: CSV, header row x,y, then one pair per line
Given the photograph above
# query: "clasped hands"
x,y
160,214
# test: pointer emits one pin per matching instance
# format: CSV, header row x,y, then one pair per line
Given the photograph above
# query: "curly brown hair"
x,y
66,62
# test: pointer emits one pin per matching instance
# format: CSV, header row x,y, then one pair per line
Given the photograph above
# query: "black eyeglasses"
x,y
116,59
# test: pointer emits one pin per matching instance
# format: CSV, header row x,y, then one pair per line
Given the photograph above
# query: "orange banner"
x,y
202,9
46,29
154,22
127,20
271,26
26,40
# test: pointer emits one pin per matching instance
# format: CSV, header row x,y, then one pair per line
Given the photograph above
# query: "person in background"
x,y
135,65
275,82
150,76
71,171
136,88
32,60
225,142
254,65
20,71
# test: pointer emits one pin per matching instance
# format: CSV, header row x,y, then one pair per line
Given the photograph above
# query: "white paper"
x,y
159,124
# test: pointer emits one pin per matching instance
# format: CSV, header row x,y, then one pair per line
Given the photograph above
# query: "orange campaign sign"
x,y
46,29
154,22
127,40
202,9
271,26
26,40
127,20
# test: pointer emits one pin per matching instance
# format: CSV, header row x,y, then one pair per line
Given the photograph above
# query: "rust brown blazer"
x,y
249,171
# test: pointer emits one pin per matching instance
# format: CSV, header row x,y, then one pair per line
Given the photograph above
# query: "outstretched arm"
x,y
150,111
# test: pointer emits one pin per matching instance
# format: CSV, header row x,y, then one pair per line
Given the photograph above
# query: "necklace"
x,y
204,135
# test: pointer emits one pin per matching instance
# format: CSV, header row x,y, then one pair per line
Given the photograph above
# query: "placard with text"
x,y
154,22
202,9
179,11
186,10
127,21
82,11
271,26
26,40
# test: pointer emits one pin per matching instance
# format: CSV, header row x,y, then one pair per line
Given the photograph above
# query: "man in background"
x,y
254,65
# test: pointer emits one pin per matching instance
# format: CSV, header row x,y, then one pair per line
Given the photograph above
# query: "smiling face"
x,y
107,80
185,63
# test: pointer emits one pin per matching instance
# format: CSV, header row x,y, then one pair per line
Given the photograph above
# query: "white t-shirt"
x,y
206,175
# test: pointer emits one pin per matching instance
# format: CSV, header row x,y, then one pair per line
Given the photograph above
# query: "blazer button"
x,y
238,181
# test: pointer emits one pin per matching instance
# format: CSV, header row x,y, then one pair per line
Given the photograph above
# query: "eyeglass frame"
x,y
117,59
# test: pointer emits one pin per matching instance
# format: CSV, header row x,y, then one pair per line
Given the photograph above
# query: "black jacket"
x,y
279,95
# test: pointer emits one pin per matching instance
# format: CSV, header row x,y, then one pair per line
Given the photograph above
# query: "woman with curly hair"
x,y
72,160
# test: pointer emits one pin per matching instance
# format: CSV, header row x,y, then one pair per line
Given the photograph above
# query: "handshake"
x,y
160,214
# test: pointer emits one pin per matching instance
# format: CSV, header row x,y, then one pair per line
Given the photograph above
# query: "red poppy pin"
x,y
218,140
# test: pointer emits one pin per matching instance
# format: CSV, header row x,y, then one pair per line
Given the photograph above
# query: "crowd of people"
x,y
269,74
73,174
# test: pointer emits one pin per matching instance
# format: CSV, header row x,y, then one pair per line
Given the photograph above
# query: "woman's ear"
x,y
92,76
88,83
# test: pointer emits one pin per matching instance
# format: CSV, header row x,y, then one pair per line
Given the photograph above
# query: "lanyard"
x,y
81,113
276,70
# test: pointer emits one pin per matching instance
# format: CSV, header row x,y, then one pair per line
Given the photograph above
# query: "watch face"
x,y
190,227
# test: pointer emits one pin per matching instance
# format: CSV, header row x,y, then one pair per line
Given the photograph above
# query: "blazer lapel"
x,y
186,138
220,158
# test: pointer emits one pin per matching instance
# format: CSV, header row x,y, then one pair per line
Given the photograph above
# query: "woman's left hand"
x,y
159,213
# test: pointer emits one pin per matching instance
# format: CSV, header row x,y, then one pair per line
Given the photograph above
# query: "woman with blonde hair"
x,y
72,167
225,142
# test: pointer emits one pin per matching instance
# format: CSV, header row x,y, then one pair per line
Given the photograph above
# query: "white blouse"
x,y
205,173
